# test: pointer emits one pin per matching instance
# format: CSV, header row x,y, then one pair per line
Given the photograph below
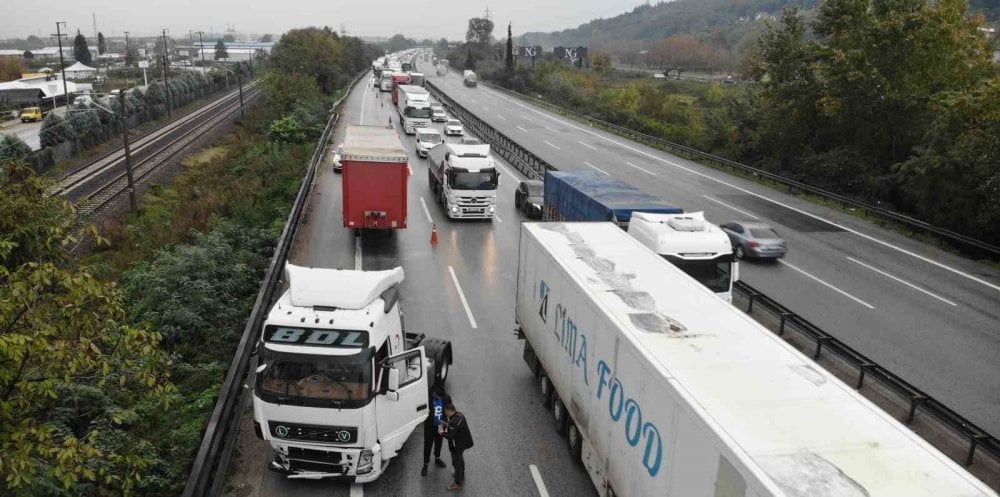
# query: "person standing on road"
x,y
456,430
433,436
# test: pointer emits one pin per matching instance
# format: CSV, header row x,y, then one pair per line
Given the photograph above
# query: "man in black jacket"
x,y
433,437
459,440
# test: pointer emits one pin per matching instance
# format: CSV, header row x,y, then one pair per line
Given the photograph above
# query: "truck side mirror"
x,y
393,379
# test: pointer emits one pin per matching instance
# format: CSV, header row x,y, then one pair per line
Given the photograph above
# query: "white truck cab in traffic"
x,y
688,241
464,180
340,385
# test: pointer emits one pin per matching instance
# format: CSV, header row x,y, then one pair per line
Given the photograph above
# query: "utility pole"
x,y
202,40
239,81
122,97
62,64
166,71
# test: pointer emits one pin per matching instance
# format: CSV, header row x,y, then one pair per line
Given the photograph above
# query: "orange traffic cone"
x,y
434,234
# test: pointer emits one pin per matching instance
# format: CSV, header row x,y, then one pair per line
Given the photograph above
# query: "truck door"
x,y
403,405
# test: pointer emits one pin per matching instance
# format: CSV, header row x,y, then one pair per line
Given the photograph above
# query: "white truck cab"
x,y
339,385
464,179
699,248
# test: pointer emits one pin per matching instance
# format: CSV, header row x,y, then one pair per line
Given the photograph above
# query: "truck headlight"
x,y
365,462
491,208
454,209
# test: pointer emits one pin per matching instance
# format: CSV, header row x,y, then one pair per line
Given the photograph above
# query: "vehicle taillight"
x,y
754,244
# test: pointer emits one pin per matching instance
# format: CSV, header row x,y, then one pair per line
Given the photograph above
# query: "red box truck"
x,y
374,181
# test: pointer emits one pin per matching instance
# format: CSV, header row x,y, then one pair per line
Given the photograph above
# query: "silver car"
x,y
753,239
454,128
438,114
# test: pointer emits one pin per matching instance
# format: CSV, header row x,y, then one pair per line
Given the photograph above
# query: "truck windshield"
x,y
424,113
474,181
316,380
715,274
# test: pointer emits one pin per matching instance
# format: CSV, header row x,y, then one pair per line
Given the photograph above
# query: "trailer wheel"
x,y
575,441
545,387
559,414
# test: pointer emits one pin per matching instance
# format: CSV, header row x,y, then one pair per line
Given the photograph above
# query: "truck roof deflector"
x,y
345,289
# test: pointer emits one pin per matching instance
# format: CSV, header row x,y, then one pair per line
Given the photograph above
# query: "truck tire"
x,y
545,387
559,414
440,352
574,440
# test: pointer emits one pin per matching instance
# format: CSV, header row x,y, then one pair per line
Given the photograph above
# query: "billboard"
x,y
528,52
570,53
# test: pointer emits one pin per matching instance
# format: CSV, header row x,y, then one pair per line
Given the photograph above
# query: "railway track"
x,y
103,180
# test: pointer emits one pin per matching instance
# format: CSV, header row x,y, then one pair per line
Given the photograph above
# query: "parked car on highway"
x,y
453,127
33,114
529,197
754,239
426,139
337,156
438,114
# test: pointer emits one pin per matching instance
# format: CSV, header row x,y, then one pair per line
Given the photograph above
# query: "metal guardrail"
x,y
867,368
208,469
528,163
791,185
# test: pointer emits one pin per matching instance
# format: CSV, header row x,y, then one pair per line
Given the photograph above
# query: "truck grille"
x,y
313,433
473,201
318,467
330,457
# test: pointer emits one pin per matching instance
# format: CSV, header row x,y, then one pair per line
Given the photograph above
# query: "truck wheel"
x,y
575,441
559,415
545,387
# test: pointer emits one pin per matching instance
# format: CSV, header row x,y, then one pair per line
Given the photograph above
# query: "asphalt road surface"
x,y
929,316
462,289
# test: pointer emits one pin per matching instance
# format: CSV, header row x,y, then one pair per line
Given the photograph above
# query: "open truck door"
x,y
402,405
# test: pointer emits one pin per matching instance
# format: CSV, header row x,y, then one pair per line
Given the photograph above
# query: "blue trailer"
x,y
592,196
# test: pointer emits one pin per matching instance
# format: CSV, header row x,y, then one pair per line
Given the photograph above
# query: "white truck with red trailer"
x,y
340,384
664,389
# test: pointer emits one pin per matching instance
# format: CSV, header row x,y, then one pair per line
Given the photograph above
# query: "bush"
x,y
55,130
288,129
155,93
84,120
13,148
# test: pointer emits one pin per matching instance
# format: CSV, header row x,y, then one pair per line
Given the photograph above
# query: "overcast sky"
x,y
414,18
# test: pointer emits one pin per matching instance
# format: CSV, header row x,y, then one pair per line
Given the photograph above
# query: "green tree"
x,y
28,55
13,148
267,38
11,68
80,50
480,31
55,130
509,61
102,44
73,374
287,130
470,62
220,50
600,62
229,38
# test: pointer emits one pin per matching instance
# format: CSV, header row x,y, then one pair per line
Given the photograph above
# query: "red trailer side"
x,y
398,79
374,179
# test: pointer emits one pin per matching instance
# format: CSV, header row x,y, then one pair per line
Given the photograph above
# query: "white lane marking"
x,y
357,253
522,129
597,168
907,283
852,297
361,120
550,129
641,169
587,145
474,101
426,212
357,490
497,217
501,117
461,295
551,145
539,484
486,108
526,117
408,168
776,202
741,211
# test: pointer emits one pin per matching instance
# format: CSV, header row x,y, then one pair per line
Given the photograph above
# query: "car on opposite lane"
x,y
530,197
755,239
427,138
454,128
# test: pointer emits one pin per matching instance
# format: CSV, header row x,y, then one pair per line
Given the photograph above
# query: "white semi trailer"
x,y
664,389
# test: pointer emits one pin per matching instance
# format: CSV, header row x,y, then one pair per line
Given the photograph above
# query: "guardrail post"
x,y
819,345
781,326
861,374
973,442
750,297
914,400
